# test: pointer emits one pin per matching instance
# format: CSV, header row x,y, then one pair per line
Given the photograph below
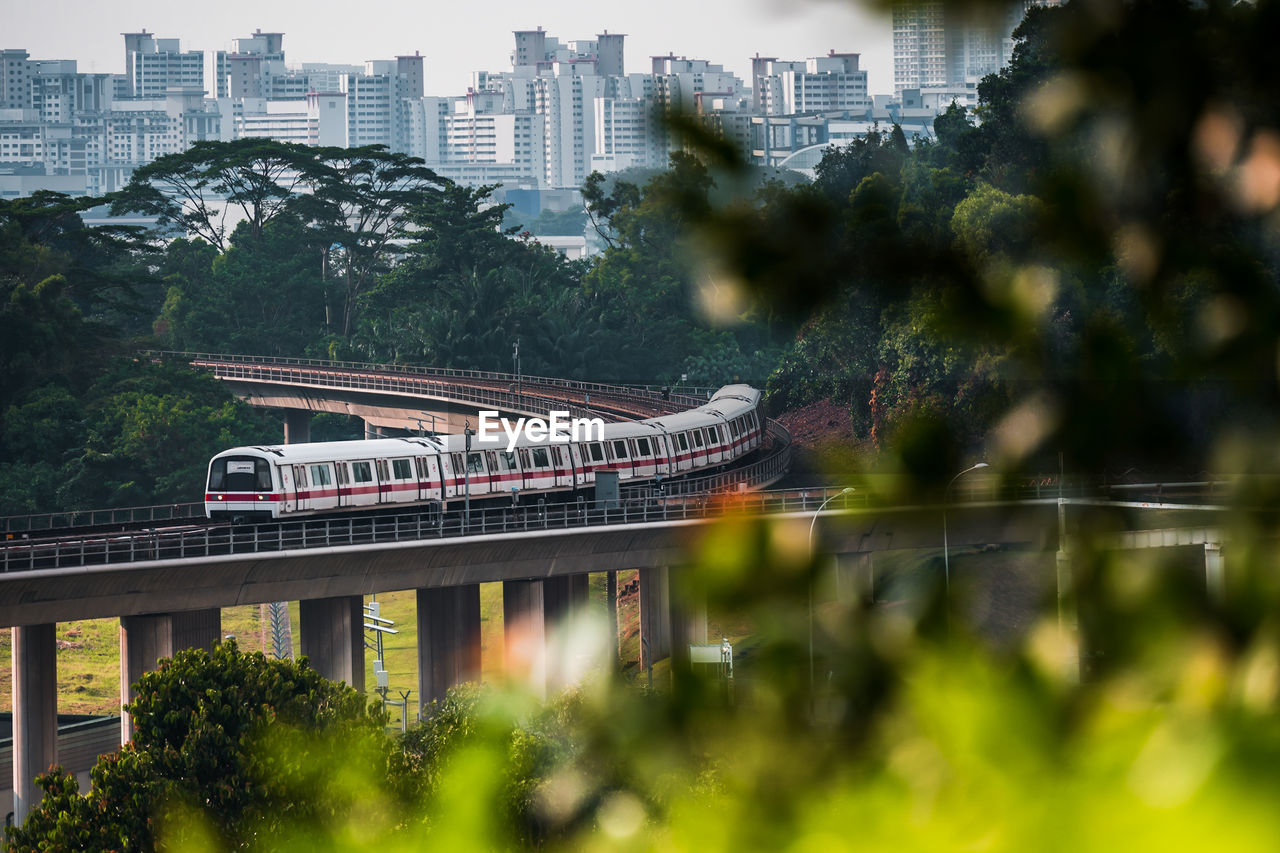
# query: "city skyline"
x,y
719,31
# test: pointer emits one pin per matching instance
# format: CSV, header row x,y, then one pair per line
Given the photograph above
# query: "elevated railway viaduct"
x,y
167,585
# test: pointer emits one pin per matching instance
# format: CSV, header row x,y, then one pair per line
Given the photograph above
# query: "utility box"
x,y
607,493
718,655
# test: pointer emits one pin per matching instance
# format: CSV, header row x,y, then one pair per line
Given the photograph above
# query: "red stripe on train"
x,y
215,497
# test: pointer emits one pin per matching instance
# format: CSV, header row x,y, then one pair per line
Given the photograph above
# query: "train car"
x,y
293,480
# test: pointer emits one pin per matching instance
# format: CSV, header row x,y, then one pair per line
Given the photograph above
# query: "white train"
x,y
284,481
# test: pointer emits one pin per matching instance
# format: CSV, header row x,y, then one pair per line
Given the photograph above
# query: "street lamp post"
x,y
515,363
946,560
812,525
466,474
434,417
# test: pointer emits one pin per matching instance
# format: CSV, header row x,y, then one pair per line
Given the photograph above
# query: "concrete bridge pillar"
x,y
611,609
196,629
448,639
532,611
297,426
563,596
1214,571
564,599
333,637
855,578
1068,617
525,631
688,627
35,712
655,614
147,638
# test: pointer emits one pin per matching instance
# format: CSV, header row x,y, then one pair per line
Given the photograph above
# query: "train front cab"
x,y
241,487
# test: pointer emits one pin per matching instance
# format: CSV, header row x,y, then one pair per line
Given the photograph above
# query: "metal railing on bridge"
x,y
304,534
44,521
81,549
401,378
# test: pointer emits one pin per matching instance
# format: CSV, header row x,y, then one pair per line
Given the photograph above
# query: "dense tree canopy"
x,y
949,281
228,749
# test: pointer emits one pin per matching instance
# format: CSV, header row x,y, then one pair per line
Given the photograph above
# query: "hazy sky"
x,y
457,36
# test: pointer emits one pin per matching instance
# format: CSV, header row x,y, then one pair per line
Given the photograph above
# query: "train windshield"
x,y
240,474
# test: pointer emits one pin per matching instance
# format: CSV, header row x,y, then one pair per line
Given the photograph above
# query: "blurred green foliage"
x,y
1094,250
1090,269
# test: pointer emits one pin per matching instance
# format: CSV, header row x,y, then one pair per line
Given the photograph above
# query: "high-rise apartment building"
x,y
562,110
153,66
409,72
315,120
60,94
565,97
831,83
373,114
939,46
15,80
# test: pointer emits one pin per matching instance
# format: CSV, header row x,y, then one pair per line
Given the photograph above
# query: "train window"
x,y
713,434
419,465
619,450
596,452
401,469
240,474
733,428
683,440
320,475
343,476
506,460
558,455
697,438
457,463
642,447
475,465
540,459
362,472
524,458
381,465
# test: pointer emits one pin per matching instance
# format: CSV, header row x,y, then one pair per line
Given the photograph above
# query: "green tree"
x,y
553,223
469,289
258,177
151,432
990,224
358,206
263,296
229,750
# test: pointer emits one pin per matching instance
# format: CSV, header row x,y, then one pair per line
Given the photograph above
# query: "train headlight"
x,y
219,497
262,497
